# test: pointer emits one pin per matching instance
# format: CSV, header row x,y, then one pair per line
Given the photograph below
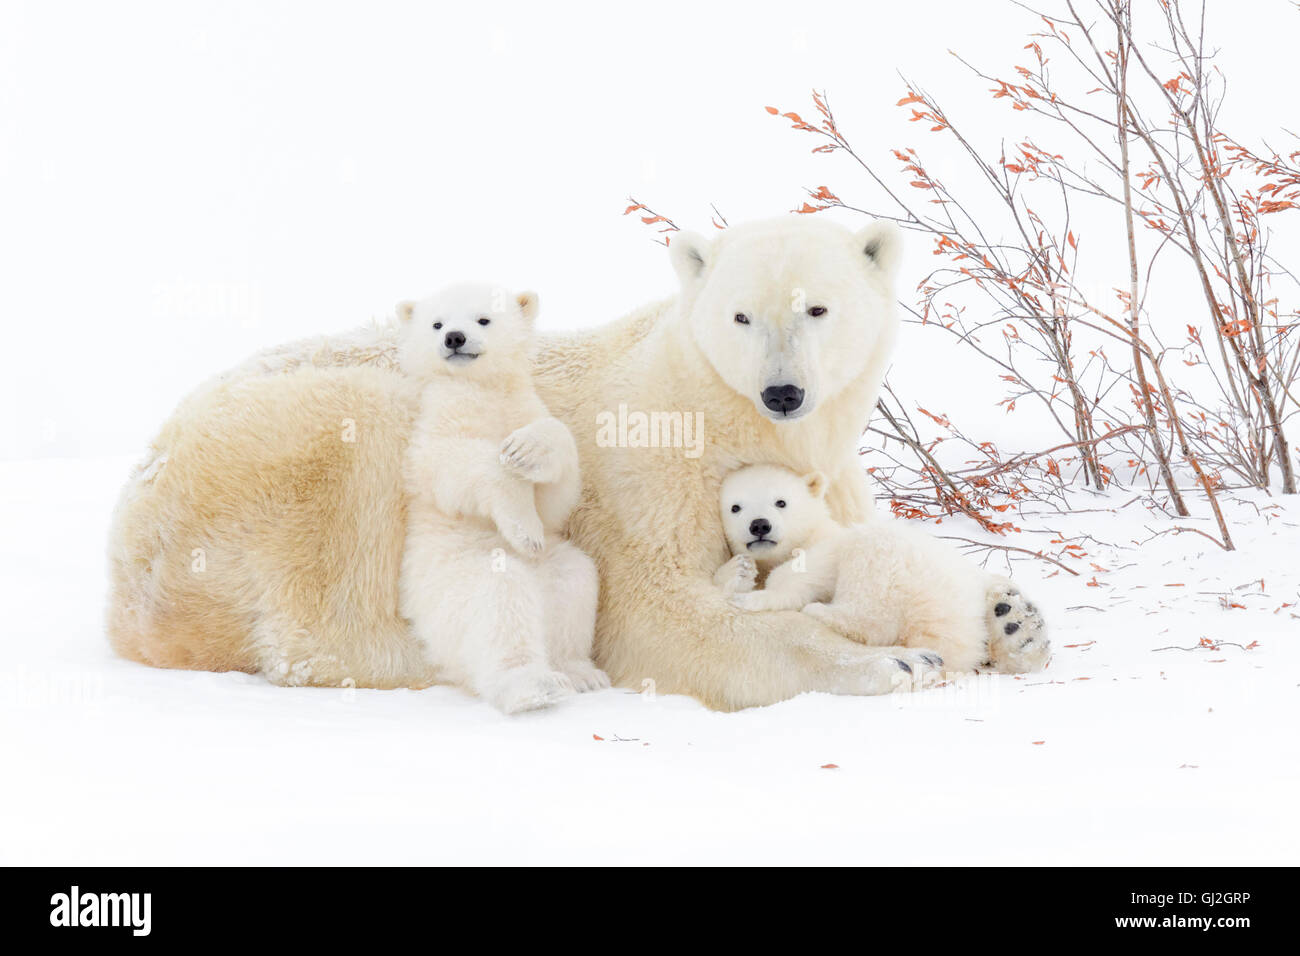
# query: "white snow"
x,y
1146,756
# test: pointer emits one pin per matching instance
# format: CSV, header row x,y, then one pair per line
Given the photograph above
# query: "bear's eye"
x,y
780,502
735,508
484,321
437,325
817,310
742,318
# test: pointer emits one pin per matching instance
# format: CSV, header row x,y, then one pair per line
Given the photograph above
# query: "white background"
x,y
182,184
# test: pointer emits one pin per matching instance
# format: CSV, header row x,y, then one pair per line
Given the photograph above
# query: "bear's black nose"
x,y
454,340
759,527
783,398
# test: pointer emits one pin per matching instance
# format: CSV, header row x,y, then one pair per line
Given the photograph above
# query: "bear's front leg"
x,y
515,515
687,638
469,481
768,600
541,452
790,587
544,453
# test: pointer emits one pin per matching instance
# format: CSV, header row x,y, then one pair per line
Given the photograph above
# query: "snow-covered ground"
x,y
1120,753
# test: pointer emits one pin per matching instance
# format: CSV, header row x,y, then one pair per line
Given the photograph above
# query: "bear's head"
x,y
790,311
468,329
768,511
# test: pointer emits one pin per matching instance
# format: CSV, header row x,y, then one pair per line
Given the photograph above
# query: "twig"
x,y
1011,548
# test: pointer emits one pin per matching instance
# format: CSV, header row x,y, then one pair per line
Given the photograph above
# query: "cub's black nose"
x,y
454,340
759,527
783,398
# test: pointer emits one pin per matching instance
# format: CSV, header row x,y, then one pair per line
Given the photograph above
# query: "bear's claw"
x,y
916,669
744,572
526,454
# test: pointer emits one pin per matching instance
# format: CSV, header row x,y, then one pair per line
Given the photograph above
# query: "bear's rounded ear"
x,y
405,310
528,305
816,483
882,244
689,254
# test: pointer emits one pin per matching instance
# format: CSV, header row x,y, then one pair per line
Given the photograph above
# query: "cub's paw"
x,y
528,454
523,533
527,688
1017,633
584,675
740,572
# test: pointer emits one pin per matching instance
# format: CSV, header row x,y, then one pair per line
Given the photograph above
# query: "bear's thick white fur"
x,y
501,604
263,532
880,582
648,516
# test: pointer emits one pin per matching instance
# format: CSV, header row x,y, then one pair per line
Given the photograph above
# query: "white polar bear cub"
x,y
881,583
502,605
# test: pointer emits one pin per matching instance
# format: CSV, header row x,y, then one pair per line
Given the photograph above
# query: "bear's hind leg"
x,y
569,591
292,655
496,613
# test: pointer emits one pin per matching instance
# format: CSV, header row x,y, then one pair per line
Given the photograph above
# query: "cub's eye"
x,y
735,508
817,310
742,318
484,321
780,502
437,325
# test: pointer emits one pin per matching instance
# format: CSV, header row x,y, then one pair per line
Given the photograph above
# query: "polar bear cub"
x,y
502,605
883,582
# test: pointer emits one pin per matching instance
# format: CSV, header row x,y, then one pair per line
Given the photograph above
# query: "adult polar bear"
x,y
780,338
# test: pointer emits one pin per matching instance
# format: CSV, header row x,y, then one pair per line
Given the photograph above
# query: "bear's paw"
x,y
1017,633
527,688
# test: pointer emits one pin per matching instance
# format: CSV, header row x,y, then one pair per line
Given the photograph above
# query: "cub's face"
x,y
790,311
768,511
470,329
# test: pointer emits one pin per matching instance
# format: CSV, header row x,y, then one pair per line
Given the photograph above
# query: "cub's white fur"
x,y
882,582
502,605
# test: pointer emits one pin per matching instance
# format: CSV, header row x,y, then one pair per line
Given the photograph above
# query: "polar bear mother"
x,y
779,338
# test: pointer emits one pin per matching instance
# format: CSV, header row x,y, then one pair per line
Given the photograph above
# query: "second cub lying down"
x,y
883,582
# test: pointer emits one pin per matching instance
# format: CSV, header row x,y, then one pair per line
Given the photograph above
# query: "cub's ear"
x,y
816,483
689,253
882,244
528,305
405,310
